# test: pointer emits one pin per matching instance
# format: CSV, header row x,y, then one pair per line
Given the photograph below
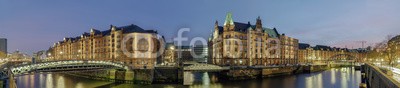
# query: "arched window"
x,y
143,45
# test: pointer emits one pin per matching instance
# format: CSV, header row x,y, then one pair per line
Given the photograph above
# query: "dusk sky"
x,y
33,25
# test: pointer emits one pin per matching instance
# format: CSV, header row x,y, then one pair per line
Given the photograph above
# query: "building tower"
x,y
258,24
229,25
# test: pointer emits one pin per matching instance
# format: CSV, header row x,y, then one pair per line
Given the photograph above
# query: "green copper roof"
x,y
271,32
228,19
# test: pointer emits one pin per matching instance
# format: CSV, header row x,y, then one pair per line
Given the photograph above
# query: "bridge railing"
x,y
74,62
378,79
29,67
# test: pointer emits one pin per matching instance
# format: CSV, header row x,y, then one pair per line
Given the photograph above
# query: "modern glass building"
x,y
201,53
3,45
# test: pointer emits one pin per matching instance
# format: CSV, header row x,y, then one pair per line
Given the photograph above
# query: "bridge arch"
x,y
66,66
342,57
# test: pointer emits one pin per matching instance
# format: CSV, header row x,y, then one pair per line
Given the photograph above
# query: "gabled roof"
x,y
220,29
86,34
303,46
107,32
134,28
125,29
241,27
322,47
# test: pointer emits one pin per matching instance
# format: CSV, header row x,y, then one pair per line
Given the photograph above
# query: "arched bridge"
x,y
53,66
203,67
343,57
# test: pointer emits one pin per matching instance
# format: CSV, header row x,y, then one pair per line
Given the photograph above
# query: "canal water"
x,y
333,78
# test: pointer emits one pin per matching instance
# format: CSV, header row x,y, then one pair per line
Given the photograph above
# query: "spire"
x,y
216,26
216,23
228,19
258,23
91,30
113,28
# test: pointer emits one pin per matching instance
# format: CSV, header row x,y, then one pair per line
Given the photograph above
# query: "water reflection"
x,y
55,80
49,81
348,77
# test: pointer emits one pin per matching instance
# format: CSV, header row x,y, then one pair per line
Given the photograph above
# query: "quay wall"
x,y
139,76
376,78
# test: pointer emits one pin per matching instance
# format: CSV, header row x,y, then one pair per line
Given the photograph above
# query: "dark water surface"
x,y
333,78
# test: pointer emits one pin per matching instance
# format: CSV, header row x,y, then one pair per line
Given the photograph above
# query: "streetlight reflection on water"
x,y
332,78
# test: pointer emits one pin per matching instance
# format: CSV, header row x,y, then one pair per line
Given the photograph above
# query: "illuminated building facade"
x,y
130,45
170,55
244,44
321,54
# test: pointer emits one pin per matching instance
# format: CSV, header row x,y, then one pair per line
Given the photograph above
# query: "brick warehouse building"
x,y
244,44
108,46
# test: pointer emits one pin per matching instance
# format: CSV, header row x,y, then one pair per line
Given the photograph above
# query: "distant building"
x,y
184,53
176,54
18,55
40,55
201,53
170,55
321,54
3,45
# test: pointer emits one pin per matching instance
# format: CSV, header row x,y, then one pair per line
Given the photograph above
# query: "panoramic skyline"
x,y
30,26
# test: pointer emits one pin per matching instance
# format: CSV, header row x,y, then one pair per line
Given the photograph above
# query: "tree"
x,y
382,51
392,50
373,55
3,55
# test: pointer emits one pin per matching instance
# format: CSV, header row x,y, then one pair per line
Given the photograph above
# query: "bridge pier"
x,y
126,76
12,82
168,75
143,76
112,74
129,76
